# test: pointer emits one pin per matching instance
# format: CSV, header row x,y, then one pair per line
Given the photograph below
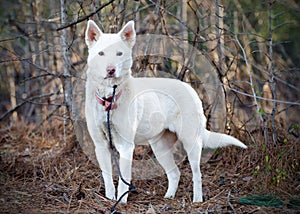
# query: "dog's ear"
x,y
128,34
92,33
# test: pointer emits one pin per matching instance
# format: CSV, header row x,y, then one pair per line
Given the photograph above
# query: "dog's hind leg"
x,y
193,147
163,150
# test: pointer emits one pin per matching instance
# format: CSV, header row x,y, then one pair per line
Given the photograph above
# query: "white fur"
x,y
153,110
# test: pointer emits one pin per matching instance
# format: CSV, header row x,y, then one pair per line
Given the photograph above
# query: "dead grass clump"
x,y
271,168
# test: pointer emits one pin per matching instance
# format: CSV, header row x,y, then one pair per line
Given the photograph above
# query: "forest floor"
x,y
44,170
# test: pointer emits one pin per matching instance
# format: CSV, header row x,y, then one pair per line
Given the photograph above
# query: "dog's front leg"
x,y
94,119
104,160
126,155
103,156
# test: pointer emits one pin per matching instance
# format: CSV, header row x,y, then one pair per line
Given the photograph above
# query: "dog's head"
x,y
110,55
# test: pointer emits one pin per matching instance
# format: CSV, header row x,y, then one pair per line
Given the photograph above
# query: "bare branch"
x,y
263,98
250,76
31,99
85,17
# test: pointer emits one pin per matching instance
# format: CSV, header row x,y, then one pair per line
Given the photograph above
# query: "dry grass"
x,y
43,171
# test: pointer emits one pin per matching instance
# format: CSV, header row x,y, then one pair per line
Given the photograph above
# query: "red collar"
x,y
106,101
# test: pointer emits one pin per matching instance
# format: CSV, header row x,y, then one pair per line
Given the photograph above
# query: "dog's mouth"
x,y
109,76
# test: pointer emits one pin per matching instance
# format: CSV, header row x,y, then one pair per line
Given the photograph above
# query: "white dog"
x,y
154,110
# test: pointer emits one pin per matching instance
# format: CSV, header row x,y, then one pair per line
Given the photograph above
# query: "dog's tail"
x,y
214,140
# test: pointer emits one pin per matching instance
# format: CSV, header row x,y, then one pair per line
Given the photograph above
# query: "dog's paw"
x,y
197,199
110,195
169,196
124,199
171,192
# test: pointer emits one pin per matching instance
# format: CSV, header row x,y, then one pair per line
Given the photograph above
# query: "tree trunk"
x,y
66,79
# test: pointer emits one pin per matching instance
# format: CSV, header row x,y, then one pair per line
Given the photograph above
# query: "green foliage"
x,y
257,168
281,175
260,111
269,165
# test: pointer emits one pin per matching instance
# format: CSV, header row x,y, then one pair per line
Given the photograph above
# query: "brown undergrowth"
x,y
43,170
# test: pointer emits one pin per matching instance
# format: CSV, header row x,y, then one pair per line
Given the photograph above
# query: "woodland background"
x,y
252,46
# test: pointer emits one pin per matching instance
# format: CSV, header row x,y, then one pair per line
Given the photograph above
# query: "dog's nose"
x,y
110,70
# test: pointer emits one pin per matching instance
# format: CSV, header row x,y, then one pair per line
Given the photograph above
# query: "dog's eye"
x,y
101,53
119,53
